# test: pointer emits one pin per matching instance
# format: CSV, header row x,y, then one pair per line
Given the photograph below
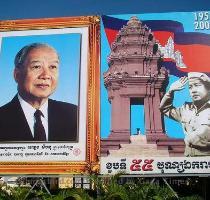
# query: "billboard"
x,y
137,87
49,67
155,111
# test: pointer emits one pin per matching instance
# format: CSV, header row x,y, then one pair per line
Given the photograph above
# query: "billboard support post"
x,y
41,182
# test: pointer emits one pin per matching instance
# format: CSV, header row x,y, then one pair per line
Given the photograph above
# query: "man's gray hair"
x,y
23,53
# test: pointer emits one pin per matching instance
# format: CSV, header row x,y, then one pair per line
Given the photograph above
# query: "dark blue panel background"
x,y
20,9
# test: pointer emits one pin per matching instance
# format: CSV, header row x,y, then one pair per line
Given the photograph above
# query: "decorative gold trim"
x,y
91,164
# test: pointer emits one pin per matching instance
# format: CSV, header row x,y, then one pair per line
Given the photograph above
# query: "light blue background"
x,y
68,48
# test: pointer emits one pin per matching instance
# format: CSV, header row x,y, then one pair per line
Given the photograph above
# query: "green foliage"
x,y
115,191
107,188
74,193
193,197
40,194
150,192
4,195
19,193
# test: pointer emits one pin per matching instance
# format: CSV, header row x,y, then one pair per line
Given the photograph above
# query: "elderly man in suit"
x,y
31,115
194,116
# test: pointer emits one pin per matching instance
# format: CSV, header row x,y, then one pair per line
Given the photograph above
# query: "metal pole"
x,y
42,184
175,194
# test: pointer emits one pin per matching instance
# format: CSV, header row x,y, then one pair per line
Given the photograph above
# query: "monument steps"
x,y
175,146
138,146
143,153
108,142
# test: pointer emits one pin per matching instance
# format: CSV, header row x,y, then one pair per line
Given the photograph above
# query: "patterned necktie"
x,y
39,132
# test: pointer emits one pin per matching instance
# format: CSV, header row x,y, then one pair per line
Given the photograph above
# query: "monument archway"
x,y
135,74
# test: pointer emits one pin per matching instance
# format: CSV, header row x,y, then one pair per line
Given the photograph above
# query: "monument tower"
x,y
135,76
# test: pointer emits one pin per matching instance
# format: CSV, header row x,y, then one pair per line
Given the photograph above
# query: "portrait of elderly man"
x,y
31,115
194,116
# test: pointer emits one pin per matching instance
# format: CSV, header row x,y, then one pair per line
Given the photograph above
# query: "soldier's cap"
x,y
199,75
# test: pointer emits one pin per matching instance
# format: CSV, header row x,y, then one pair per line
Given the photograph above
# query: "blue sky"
x,y
173,128
68,48
10,9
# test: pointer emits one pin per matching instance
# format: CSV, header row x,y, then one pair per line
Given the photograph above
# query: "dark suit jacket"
x,y
62,122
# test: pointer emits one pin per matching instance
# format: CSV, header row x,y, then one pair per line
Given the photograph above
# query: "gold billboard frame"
x,y
91,163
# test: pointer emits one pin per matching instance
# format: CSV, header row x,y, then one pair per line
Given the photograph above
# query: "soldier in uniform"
x,y
194,116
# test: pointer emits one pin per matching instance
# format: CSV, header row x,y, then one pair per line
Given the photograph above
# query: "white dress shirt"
x,y
29,114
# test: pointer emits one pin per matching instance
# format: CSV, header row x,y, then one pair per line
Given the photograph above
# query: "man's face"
x,y
198,91
37,78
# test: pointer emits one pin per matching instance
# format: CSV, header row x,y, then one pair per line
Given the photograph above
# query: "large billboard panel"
x,y
150,78
155,99
49,91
